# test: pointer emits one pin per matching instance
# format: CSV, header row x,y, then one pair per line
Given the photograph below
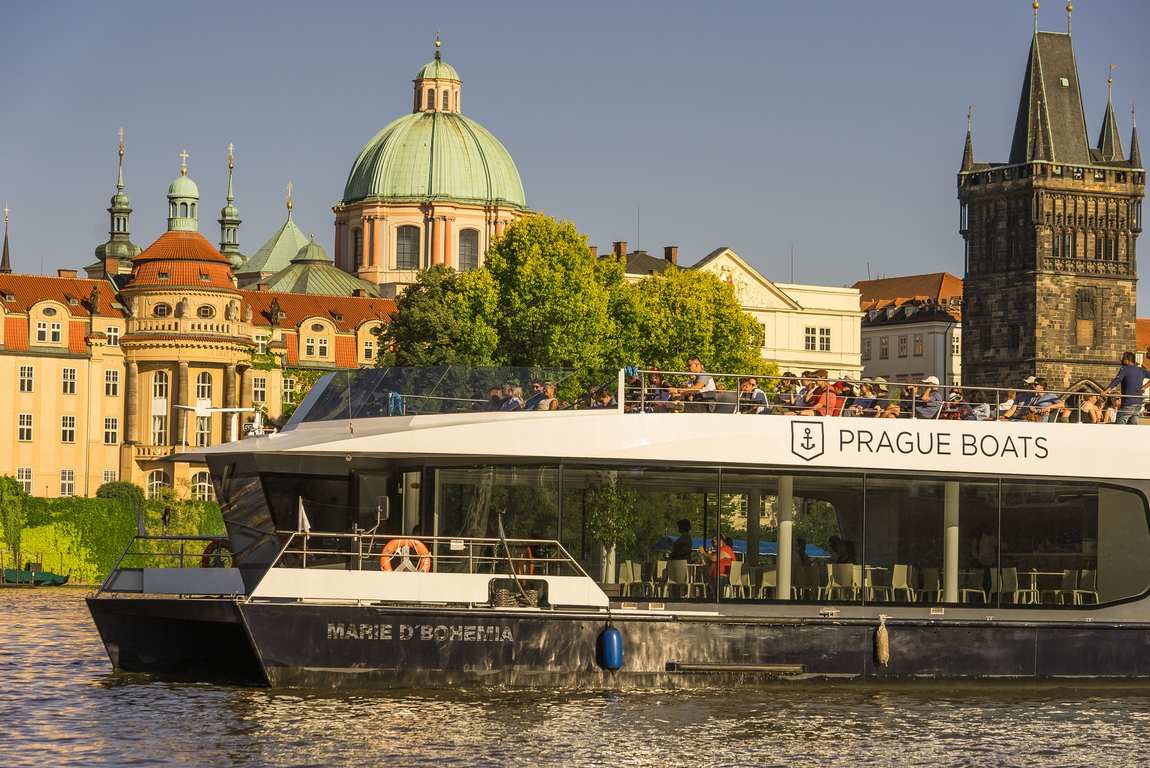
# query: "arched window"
x,y
407,247
162,310
202,488
446,100
172,211
183,210
204,386
160,385
193,210
468,249
205,311
357,247
430,103
157,480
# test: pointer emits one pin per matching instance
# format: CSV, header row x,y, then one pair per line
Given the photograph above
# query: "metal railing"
x,y
151,551
652,391
439,554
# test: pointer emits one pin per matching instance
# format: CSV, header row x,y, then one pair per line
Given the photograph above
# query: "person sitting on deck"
x,y
1045,406
751,398
721,557
820,400
537,394
700,386
603,399
512,398
788,397
930,401
548,401
1090,408
863,403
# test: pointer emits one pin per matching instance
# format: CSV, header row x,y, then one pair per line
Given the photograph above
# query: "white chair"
x,y
734,585
1087,587
931,581
677,582
901,579
629,577
768,580
971,584
656,576
845,578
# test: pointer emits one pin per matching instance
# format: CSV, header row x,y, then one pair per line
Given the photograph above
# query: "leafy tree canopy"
x,y
541,300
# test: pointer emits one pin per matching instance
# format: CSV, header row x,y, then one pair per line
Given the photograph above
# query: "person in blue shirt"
x,y
930,401
1045,406
1129,381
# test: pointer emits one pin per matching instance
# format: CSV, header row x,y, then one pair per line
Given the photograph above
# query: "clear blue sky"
x,y
836,125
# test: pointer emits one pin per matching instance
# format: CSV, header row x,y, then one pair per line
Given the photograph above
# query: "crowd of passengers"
x,y
815,393
542,397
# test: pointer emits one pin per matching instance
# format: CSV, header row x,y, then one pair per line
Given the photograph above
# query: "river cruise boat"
x,y
404,529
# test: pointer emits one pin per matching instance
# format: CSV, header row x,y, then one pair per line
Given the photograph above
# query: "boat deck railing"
x,y
653,391
367,551
170,551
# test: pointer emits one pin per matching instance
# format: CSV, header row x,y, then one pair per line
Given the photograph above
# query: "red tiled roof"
x,y
180,246
346,312
938,286
187,274
27,290
1142,332
345,352
15,332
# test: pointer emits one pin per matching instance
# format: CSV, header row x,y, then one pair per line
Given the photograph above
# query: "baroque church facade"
x,y
1050,236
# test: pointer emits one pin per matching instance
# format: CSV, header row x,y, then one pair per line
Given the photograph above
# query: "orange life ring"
x,y
211,557
525,566
404,548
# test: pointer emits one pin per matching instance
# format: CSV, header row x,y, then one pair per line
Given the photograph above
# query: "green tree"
x,y
554,300
13,515
445,318
692,312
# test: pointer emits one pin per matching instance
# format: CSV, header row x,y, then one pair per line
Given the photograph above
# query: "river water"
x,y
62,705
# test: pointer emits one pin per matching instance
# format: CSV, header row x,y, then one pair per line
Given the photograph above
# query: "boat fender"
x,y
882,642
215,555
609,649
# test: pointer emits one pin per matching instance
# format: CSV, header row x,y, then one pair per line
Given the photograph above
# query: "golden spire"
x,y
184,163
231,156
1069,12
289,200
1034,5
1110,78
438,45
5,216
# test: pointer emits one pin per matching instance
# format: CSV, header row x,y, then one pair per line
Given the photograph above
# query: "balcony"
x,y
183,325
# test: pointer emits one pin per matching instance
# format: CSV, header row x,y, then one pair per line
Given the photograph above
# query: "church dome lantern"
x,y
183,201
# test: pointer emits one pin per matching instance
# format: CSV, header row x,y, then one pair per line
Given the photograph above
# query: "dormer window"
x,y
162,310
337,316
73,301
205,276
164,275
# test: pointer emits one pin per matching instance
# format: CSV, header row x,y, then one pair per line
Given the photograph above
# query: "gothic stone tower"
x,y
1050,238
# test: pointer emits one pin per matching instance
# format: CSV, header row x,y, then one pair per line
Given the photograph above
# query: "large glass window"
x,y
407,247
643,531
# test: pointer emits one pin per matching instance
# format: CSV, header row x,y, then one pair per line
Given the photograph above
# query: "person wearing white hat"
x,y
929,400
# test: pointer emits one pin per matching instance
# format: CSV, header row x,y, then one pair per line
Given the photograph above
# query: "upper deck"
x,y
446,413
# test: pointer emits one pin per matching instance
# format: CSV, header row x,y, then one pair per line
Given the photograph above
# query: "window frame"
x,y
68,382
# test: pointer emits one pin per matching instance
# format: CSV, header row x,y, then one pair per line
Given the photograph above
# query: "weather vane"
x,y
289,201
231,155
121,133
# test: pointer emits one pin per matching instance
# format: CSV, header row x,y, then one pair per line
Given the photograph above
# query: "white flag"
x,y
302,523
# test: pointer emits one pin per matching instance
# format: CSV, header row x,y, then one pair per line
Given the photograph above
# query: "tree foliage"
x,y
13,514
543,301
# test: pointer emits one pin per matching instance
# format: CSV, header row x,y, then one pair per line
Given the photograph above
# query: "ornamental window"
x,y
160,385
162,310
205,311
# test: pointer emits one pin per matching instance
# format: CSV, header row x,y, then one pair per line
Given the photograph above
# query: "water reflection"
x,y
62,705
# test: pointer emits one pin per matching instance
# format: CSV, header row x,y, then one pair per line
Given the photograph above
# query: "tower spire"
x,y
1135,154
5,257
1109,142
1069,13
230,219
1034,5
438,45
968,149
120,164
290,205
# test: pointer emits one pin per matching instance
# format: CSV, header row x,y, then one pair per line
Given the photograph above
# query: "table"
x,y
1035,595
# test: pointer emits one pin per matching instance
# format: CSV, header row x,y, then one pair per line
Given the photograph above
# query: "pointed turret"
x,y
968,149
115,256
230,219
1109,142
1135,154
6,258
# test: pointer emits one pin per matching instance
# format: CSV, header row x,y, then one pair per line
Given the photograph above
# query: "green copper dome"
x,y
429,156
311,271
183,187
437,69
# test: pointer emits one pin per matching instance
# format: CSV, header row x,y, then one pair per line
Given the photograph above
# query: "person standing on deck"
x,y
1129,382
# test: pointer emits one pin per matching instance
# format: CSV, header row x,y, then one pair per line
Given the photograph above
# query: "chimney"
x,y
619,248
111,266
71,273
671,254
594,250
359,293
262,287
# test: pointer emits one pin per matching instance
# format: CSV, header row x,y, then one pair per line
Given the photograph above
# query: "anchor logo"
x,y
807,439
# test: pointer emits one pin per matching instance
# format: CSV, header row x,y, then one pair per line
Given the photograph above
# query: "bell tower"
x,y
1050,236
